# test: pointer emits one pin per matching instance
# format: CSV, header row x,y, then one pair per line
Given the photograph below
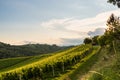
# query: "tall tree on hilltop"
x,y
113,24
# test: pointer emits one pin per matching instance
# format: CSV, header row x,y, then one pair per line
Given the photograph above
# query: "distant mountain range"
x,y
7,50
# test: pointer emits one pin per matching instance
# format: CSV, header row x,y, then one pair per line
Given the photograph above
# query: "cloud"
x,y
65,31
81,25
98,31
72,41
76,41
73,31
24,42
56,23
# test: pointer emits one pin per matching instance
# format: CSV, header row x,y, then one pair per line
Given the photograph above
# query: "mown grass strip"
x,y
5,63
23,62
83,68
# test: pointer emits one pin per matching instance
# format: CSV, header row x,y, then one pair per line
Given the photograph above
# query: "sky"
x,y
61,22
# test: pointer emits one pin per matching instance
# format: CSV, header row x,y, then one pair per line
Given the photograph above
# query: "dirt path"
x,y
103,61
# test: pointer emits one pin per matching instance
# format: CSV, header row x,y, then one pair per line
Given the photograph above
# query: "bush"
x,y
87,40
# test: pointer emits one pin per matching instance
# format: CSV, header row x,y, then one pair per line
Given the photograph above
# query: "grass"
x,y
106,74
81,68
13,63
107,70
4,63
98,65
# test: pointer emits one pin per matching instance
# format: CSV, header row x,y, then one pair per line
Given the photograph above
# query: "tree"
x,y
113,29
87,40
95,40
102,40
112,33
115,2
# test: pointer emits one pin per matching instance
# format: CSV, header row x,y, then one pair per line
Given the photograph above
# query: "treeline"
x,y
111,35
7,50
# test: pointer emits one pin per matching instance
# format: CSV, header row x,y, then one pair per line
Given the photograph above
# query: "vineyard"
x,y
50,66
13,63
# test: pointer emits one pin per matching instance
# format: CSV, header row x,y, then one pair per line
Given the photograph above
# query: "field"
x,y
46,66
13,63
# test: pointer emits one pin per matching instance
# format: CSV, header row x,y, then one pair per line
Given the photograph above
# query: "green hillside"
x,y
84,62
108,66
9,51
4,63
48,66
104,65
13,63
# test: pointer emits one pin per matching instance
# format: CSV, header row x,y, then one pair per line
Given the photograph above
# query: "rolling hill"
x,y
47,67
8,51
83,62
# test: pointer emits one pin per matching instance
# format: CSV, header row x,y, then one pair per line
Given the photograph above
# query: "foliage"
x,y
105,40
87,40
115,2
112,33
95,40
101,40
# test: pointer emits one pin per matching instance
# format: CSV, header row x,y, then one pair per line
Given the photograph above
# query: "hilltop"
x,y
8,51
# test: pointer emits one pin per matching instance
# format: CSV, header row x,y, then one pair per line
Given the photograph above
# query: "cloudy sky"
x,y
62,22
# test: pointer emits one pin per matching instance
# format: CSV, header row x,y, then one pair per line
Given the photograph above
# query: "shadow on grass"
x,y
85,67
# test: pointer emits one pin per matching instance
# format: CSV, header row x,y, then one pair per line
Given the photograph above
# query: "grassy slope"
x,y
4,63
96,66
99,67
104,60
81,68
107,68
13,63
29,60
